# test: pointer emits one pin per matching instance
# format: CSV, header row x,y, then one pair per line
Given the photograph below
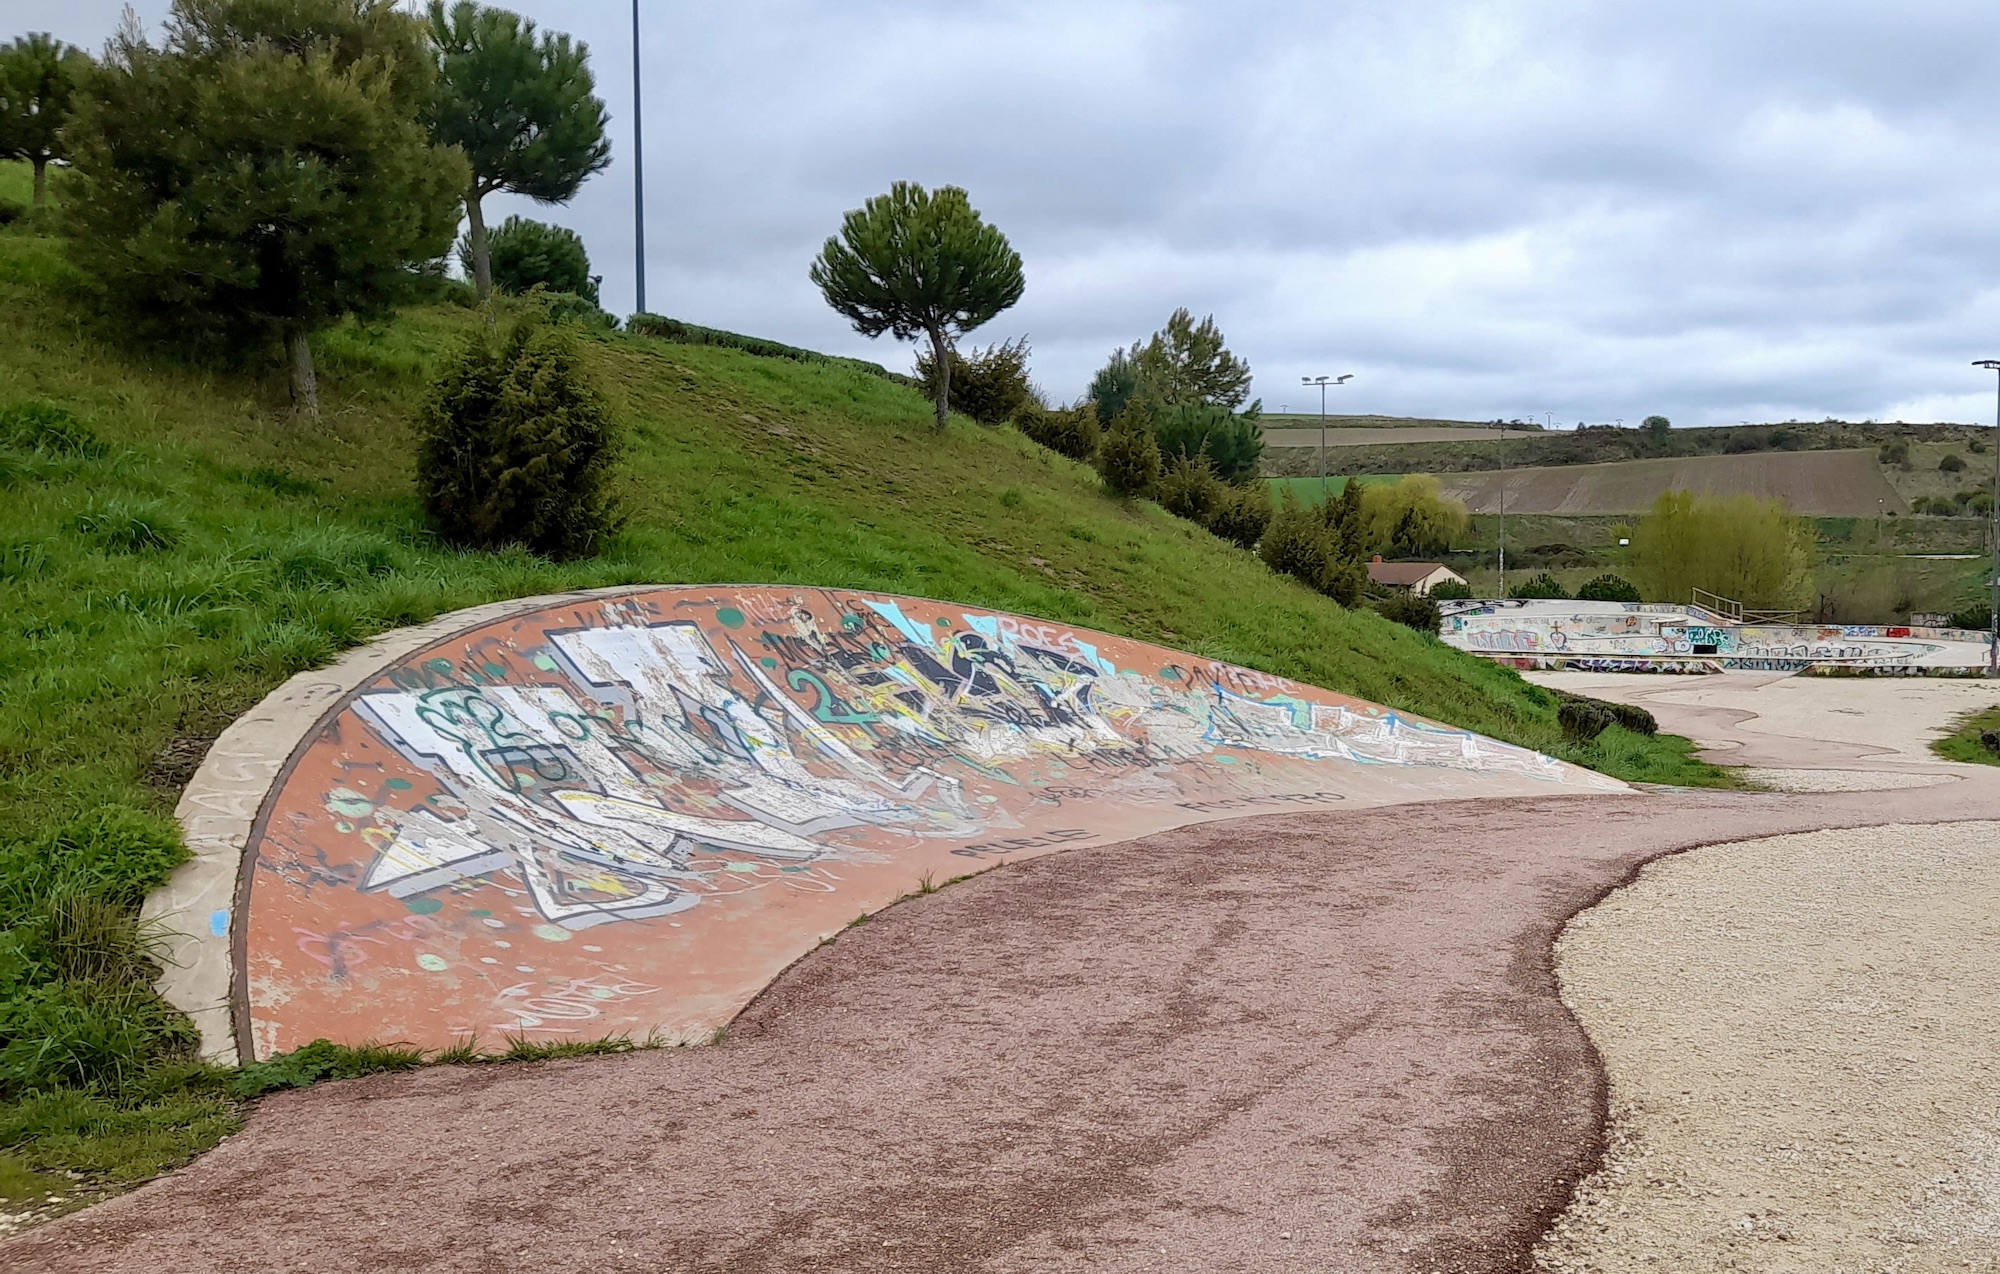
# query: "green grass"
x,y
173,546
1962,743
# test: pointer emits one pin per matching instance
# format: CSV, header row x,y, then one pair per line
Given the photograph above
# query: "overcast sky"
x,y
1719,210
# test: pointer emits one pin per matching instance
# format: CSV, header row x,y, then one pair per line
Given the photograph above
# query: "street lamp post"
x,y
1323,382
638,169
1993,530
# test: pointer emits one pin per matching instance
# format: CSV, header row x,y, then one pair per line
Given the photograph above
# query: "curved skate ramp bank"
x,y
627,811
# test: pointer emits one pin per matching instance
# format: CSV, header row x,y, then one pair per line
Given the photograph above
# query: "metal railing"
x,y
1732,610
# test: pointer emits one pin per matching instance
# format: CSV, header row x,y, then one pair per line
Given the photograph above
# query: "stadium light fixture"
x,y
1323,382
1993,531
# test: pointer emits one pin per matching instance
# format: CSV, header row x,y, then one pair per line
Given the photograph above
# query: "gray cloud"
x,y
1716,210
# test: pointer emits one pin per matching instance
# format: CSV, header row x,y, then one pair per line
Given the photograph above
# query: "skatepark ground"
x,y
1309,1041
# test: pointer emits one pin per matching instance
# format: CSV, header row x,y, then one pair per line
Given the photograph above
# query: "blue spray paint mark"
x,y
218,922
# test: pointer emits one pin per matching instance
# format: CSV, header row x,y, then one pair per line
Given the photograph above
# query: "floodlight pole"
x,y
1322,382
638,168
1993,530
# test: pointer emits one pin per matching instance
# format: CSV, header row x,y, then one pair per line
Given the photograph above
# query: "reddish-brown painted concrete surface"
x,y
628,813
1325,1041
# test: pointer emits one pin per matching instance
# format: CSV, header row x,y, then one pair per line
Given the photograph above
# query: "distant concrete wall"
x,y
1651,637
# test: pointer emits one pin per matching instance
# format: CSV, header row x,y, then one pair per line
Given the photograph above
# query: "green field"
x,y
164,571
1308,490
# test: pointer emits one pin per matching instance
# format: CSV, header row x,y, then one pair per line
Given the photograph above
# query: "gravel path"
x,y
1802,1050
1306,1042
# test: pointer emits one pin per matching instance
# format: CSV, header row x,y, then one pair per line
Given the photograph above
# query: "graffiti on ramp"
x,y
627,814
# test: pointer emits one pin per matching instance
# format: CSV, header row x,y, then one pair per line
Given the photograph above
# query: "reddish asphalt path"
x,y
1299,1042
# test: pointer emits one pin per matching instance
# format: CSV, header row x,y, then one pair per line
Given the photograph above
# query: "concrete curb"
x,y
218,810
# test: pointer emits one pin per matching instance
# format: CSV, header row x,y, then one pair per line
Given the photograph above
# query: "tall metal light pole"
x,y
1323,382
1993,529
638,167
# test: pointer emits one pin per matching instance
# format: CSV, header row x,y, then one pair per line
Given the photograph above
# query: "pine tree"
x,y
520,105
260,175
917,262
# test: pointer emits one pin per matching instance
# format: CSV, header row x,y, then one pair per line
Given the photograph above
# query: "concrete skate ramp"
x,y
627,811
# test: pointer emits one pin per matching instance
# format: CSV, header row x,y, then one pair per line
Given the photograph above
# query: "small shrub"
x,y
1634,718
1990,740
1233,443
1608,588
989,385
526,254
1451,591
516,449
1241,514
1896,451
1582,720
1128,457
1188,488
49,429
1978,617
1411,611
1295,544
10,212
1977,446
117,527
1952,463
1543,586
1071,431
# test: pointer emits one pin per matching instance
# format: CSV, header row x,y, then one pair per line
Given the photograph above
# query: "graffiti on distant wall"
x,y
1637,638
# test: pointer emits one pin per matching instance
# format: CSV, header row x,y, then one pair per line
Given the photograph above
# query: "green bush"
x,y
1896,452
989,385
1188,488
10,212
1977,446
1233,443
1295,544
1544,586
1241,514
529,253
1128,457
1607,588
1582,720
516,449
1070,431
1952,463
1450,591
1410,610
1978,617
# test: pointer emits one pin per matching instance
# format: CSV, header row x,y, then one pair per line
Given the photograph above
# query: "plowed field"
x,y
1816,483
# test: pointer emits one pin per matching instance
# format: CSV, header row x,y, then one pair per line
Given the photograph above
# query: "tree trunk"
x,y
475,234
941,379
305,384
41,180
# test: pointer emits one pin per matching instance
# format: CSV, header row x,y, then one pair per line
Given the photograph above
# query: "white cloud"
x,y
1716,209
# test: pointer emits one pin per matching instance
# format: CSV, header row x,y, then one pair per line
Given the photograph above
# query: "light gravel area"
x,y
1840,780
1801,1043
1779,720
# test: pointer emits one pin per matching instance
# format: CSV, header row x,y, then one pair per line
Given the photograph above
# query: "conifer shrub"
x,y
1582,720
1241,514
1070,431
1451,591
526,254
515,448
1295,544
1543,587
1188,488
1129,456
1607,588
1411,610
989,385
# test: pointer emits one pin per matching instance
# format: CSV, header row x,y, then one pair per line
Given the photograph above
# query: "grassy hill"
x,y
191,546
